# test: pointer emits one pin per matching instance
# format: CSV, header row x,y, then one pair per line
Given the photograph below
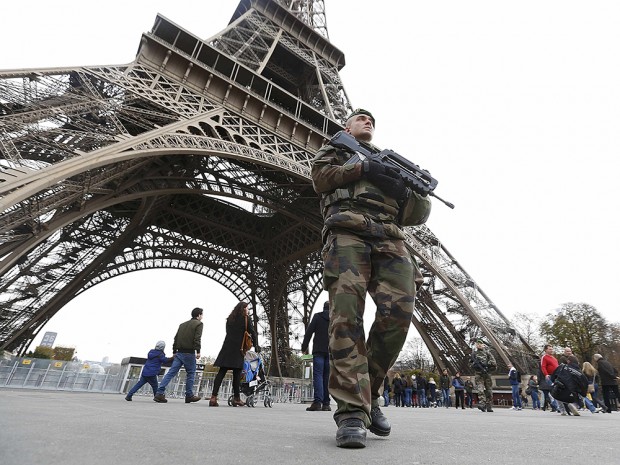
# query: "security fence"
x,y
36,373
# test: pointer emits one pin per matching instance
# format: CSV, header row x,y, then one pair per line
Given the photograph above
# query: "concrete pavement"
x,y
69,428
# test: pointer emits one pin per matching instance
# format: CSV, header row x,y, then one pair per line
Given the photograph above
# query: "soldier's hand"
x,y
373,170
386,179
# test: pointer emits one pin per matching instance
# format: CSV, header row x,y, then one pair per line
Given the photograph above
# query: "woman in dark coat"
x,y
231,354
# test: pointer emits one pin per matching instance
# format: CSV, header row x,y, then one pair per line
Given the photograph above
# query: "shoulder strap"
x,y
246,328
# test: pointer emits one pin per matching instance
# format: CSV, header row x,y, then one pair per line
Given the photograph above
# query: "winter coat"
x,y
444,381
154,361
422,383
458,383
230,355
607,373
188,336
568,381
318,327
513,376
397,385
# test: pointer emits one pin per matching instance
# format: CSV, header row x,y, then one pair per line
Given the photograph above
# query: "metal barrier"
x,y
37,373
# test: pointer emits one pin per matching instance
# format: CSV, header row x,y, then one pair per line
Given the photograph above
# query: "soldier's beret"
x,y
361,111
480,340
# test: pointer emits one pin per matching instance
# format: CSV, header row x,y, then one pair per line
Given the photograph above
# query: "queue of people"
x,y
564,387
411,390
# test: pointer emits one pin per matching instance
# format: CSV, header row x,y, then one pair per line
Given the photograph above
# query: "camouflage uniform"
x,y
483,380
364,251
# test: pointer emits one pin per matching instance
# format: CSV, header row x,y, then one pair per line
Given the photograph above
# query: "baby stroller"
x,y
253,380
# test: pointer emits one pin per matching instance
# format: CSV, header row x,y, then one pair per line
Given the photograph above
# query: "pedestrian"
x,y
483,363
397,389
432,389
319,328
568,384
594,393
459,391
186,350
609,380
231,354
364,207
414,391
515,383
151,369
469,389
408,385
548,364
386,391
532,390
444,384
422,386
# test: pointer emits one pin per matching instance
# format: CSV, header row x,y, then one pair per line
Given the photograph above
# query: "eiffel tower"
x,y
196,156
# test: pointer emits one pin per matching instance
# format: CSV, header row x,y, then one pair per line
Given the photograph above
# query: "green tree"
x,y
578,326
42,352
63,353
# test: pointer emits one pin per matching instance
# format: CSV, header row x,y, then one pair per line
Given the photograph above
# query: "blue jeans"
x,y
422,398
386,397
516,398
535,400
152,380
320,378
589,405
189,362
408,397
447,402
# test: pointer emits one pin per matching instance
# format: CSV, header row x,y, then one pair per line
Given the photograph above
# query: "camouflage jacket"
x,y
485,359
350,202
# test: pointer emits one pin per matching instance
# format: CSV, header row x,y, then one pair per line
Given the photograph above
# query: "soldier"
x,y
483,363
364,205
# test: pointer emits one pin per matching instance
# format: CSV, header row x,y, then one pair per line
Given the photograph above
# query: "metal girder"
x,y
197,156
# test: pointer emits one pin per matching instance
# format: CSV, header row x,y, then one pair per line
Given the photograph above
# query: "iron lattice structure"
x,y
197,156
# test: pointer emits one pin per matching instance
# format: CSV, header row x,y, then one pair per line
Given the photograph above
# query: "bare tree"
x,y
414,356
528,325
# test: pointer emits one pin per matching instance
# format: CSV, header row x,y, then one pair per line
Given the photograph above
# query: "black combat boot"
x,y
489,409
380,424
351,433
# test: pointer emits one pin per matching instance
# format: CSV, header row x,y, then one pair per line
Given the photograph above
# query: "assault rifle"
x,y
478,365
415,178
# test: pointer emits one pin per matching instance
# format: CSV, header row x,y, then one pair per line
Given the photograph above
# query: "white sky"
x,y
513,106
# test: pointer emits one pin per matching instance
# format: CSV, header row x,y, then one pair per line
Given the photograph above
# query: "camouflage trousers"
x,y
383,268
484,385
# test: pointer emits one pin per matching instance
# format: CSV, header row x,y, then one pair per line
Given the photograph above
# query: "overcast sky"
x,y
513,106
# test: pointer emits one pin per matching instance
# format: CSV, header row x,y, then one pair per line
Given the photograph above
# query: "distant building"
x,y
48,339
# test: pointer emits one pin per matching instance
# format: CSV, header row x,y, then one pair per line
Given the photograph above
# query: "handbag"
x,y
246,342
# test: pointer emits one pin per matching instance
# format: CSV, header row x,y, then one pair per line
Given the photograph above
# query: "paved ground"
x,y
65,428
